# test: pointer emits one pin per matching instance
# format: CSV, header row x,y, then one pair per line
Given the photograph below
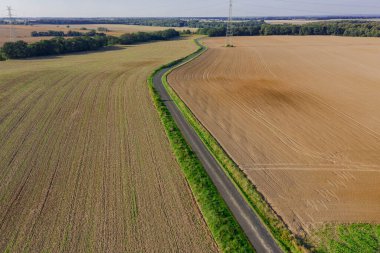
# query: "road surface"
x,y
251,224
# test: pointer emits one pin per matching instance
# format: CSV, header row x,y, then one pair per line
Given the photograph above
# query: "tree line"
x,y
60,45
52,33
164,22
216,29
133,38
55,46
194,22
181,22
338,28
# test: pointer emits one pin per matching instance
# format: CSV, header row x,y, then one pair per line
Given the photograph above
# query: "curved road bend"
x,y
251,224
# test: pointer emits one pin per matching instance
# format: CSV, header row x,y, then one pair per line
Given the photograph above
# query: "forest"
x,y
133,38
63,34
337,28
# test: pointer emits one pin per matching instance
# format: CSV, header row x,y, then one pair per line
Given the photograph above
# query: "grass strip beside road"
x,y
226,231
348,238
275,225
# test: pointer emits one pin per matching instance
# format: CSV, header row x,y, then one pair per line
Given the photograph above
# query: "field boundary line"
x,y
273,222
228,235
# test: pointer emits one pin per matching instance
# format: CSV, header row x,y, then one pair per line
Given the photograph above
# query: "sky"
x,y
186,8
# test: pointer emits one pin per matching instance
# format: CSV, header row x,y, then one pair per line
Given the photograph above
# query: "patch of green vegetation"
x,y
103,29
275,225
2,57
223,226
352,238
134,207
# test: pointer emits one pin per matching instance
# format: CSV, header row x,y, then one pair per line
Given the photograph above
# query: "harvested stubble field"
x,y
300,116
23,32
85,165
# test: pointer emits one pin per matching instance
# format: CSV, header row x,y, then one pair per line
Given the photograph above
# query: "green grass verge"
x,y
352,238
224,228
287,241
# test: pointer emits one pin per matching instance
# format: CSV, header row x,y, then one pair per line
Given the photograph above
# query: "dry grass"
x,y
22,32
300,116
84,162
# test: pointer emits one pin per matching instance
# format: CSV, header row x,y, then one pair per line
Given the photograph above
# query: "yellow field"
x,y
22,32
85,165
300,116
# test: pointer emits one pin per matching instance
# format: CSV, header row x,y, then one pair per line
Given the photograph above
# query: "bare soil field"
x,y
23,32
300,116
85,165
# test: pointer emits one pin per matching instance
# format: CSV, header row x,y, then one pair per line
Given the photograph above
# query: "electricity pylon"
x,y
230,31
10,16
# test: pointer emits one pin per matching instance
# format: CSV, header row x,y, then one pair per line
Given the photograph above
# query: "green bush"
x,y
15,50
2,57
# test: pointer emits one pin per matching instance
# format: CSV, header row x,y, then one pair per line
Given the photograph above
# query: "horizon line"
x,y
211,17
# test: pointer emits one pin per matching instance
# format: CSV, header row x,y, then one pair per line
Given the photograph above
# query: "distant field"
x,y
22,32
121,29
300,116
85,165
306,21
294,21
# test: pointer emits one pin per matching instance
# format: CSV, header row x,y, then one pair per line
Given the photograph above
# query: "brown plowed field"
x,y
85,165
300,116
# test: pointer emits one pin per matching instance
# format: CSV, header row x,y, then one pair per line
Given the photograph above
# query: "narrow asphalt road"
x,y
257,234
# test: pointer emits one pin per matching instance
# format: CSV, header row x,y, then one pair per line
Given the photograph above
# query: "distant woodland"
x,y
257,28
63,34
